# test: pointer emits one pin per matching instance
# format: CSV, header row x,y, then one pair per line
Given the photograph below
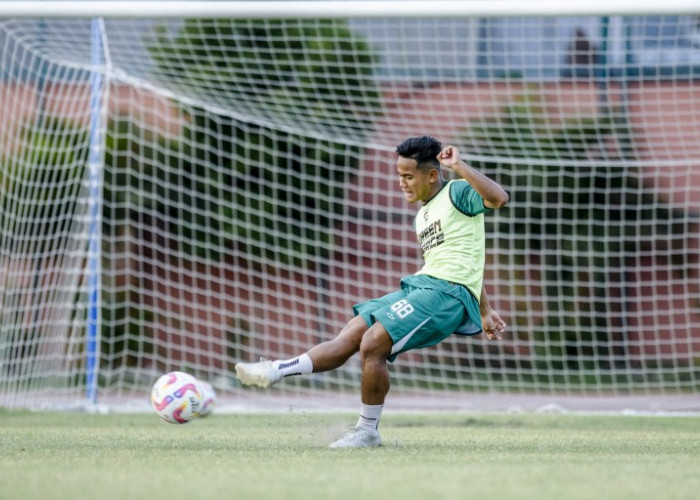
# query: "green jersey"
x,y
450,230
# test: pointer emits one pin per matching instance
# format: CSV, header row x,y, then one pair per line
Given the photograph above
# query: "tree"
x,y
39,185
584,211
289,84
259,151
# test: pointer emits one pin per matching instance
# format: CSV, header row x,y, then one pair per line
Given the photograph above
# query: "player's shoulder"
x,y
457,188
458,183
465,198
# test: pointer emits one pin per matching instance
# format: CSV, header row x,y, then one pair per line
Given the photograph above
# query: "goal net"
x,y
183,193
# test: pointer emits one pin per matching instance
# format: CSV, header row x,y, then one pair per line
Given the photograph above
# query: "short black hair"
x,y
422,149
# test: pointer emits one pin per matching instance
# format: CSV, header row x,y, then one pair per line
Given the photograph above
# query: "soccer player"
x,y
445,296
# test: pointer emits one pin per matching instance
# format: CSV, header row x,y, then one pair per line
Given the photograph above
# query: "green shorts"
x,y
423,313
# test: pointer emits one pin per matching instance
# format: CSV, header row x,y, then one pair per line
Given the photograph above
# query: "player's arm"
x,y
493,193
491,322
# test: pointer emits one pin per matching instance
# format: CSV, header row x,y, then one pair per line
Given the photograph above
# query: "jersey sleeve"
x,y
466,199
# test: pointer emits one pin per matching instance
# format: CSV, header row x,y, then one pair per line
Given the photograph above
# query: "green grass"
x,y
285,456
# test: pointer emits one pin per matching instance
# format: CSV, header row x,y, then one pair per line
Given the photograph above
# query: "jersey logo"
x,y
431,236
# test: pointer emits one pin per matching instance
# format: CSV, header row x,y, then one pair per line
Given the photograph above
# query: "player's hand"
x,y
449,157
493,325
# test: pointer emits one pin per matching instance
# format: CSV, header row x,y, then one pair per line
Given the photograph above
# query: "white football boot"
x,y
260,374
358,438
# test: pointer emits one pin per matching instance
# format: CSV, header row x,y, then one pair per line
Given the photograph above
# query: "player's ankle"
x,y
369,417
300,365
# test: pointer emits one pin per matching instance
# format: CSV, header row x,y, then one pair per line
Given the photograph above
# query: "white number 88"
x,y
402,308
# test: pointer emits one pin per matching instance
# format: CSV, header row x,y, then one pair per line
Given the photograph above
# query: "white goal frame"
x,y
326,10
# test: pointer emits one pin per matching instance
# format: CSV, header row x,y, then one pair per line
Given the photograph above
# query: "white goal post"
x,y
185,185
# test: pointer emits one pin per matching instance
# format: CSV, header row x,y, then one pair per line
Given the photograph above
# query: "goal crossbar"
x,y
348,9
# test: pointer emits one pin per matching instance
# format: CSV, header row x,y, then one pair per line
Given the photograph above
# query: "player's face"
x,y
416,184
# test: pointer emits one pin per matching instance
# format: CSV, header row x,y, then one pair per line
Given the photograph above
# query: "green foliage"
x,y
579,209
231,186
127,195
550,177
40,182
293,68
256,185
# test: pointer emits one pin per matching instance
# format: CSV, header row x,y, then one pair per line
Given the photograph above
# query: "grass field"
x,y
489,456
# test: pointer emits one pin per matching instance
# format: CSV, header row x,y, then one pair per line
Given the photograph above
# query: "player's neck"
x,y
434,191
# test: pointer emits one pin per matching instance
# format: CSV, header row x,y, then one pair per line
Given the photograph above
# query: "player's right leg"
x,y
323,357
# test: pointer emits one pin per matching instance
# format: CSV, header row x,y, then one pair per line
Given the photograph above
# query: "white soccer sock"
x,y
369,417
301,365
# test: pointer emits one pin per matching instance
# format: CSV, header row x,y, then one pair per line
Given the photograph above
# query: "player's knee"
x,y
376,343
350,337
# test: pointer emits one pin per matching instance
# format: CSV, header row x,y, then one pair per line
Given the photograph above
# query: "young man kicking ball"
x,y
445,296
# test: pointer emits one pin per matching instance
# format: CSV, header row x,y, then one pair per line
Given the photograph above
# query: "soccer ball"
x,y
177,397
208,398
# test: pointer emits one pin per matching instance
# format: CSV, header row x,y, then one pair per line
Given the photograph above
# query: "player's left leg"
x,y
421,318
375,348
